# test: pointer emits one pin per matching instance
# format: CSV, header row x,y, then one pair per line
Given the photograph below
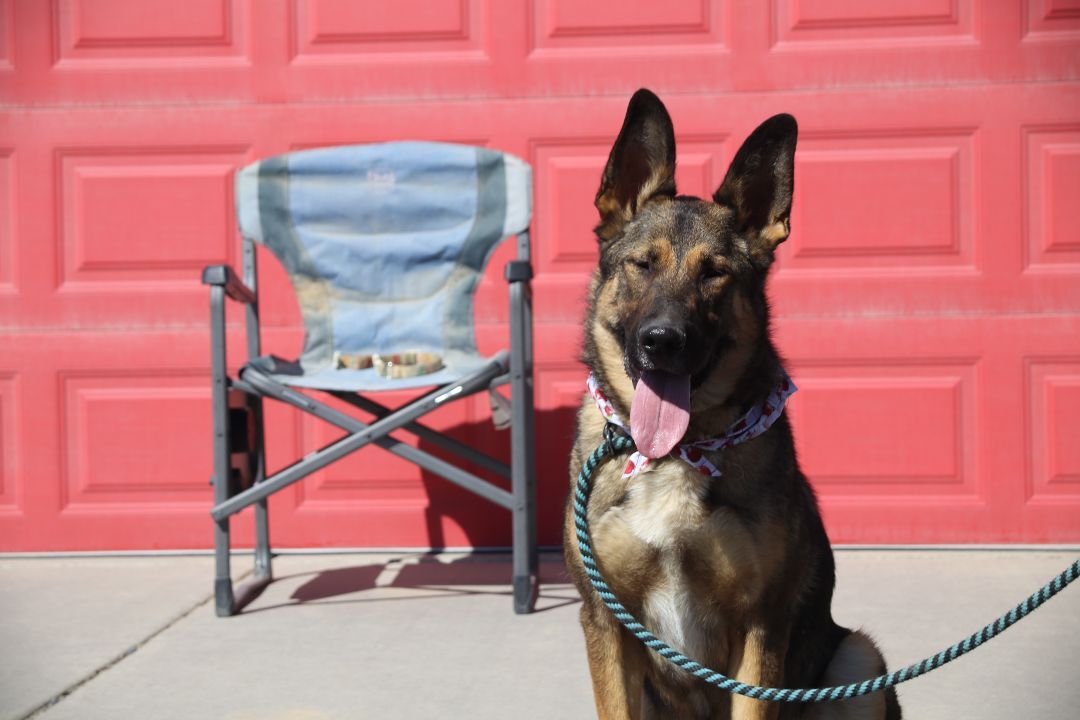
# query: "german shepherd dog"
x,y
730,566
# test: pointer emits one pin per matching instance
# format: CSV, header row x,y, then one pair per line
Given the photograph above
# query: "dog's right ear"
x,y
641,165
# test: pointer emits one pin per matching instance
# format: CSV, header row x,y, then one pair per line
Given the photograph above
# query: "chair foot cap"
x,y
526,590
224,603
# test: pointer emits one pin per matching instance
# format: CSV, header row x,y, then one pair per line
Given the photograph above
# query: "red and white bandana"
x,y
756,421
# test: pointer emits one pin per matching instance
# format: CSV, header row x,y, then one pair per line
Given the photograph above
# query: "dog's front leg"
x,y
760,663
617,666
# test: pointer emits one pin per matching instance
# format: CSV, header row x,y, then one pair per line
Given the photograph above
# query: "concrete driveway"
x,y
368,635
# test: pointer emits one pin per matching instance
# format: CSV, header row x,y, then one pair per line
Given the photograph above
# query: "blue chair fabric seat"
x,y
384,245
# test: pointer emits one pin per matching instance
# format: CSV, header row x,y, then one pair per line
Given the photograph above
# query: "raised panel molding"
x,y
828,23
1052,177
144,215
566,178
9,443
884,201
7,34
1052,387
564,24
898,427
7,219
157,31
1051,20
127,438
350,28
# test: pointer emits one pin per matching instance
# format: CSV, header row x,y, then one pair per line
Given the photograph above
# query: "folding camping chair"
x,y
384,245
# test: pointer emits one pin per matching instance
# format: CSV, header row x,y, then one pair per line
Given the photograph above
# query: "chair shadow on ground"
x,y
427,576
476,523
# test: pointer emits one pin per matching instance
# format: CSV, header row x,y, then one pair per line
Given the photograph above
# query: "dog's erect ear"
x,y
641,164
760,181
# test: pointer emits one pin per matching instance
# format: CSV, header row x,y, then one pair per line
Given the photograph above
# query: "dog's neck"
x,y
737,389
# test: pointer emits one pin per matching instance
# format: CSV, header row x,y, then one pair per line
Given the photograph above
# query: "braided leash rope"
x,y
618,443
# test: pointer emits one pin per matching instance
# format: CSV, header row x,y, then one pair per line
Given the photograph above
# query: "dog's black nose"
x,y
661,342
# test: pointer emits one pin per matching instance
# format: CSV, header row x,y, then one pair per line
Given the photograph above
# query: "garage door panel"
x,y
129,438
144,215
563,23
114,441
333,27
848,419
367,49
1052,387
93,30
892,409
566,177
1049,496
1051,174
688,45
883,201
88,50
884,22
1048,20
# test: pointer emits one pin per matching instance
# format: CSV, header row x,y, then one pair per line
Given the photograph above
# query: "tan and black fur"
x,y
735,572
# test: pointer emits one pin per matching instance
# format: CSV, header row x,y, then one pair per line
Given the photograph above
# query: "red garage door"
x,y
928,300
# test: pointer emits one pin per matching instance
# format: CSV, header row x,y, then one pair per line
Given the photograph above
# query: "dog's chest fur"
x,y
692,570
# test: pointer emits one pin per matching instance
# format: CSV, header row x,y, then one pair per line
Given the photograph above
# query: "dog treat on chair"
x,y
349,361
407,364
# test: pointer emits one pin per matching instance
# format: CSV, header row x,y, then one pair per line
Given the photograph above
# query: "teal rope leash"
x,y
616,443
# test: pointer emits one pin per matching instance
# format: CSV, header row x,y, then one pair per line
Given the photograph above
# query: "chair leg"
x,y
263,569
526,580
224,602
228,599
522,445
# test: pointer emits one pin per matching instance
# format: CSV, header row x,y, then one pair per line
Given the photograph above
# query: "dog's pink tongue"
x,y
660,412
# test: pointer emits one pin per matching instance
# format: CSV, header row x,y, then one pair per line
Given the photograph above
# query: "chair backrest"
x,y
385,243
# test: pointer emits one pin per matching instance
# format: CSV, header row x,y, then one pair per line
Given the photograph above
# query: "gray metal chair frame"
x,y
239,477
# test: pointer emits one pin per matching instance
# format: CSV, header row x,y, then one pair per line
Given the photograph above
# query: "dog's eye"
x,y
713,273
642,264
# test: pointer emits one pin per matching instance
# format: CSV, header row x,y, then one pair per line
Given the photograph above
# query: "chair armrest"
x,y
224,276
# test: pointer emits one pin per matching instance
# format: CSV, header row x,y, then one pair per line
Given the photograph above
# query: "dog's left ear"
x,y
641,165
759,184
